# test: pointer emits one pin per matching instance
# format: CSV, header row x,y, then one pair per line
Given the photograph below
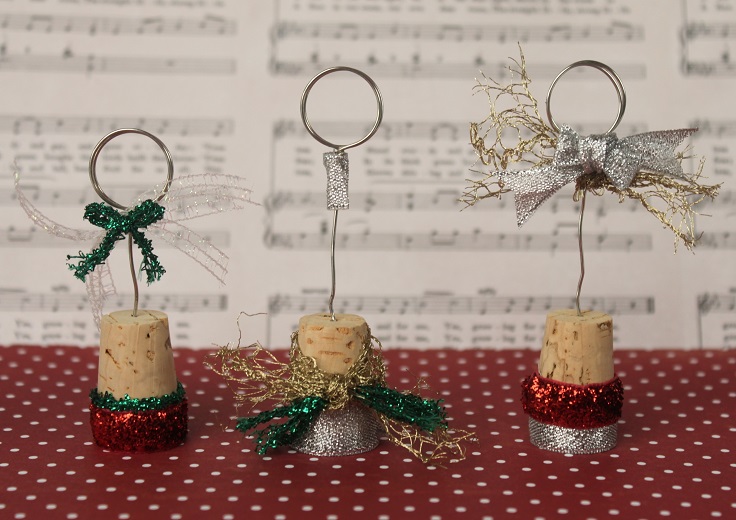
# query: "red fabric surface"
x,y
675,456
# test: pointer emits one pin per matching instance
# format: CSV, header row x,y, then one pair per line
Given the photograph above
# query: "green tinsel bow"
x,y
302,412
118,225
425,414
133,404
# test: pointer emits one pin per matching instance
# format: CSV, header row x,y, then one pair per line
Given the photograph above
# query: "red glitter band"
x,y
150,430
570,405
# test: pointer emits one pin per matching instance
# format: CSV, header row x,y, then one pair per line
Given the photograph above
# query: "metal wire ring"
x,y
308,125
608,71
109,137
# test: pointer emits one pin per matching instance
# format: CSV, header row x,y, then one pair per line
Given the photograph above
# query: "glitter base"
x,y
149,430
349,430
572,440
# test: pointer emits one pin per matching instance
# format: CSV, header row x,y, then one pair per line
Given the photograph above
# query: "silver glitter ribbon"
x,y
349,430
572,440
618,159
336,164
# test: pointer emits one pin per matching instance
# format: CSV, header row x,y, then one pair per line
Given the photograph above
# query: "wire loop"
x,y
609,72
109,137
313,132
621,93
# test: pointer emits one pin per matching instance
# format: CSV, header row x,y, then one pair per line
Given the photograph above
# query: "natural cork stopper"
x,y
335,345
135,355
577,349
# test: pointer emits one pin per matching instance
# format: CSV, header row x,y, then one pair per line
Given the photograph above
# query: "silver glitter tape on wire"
x,y
572,440
349,430
336,164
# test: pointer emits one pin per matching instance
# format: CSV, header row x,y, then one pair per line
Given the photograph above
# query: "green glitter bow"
x,y
425,414
118,225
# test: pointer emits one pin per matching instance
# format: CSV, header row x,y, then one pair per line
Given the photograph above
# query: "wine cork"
x,y
577,349
335,345
135,355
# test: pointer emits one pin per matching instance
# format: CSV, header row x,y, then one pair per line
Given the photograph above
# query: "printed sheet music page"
x,y
219,81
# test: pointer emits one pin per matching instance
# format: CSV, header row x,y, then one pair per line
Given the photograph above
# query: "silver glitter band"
x,y
349,430
572,440
336,164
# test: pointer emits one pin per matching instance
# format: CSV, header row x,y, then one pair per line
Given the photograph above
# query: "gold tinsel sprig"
x,y
256,375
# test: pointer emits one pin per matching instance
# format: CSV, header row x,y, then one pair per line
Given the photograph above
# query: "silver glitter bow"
x,y
618,159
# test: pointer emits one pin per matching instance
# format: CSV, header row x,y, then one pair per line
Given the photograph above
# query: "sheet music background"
x,y
219,81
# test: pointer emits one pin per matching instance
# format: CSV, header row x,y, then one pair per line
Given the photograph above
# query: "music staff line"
x,y
59,332
717,128
22,301
409,130
438,200
94,64
721,67
448,304
456,241
65,197
717,240
64,125
32,236
369,201
720,304
712,303
73,197
208,25
613,31
725,199
439,69
709,31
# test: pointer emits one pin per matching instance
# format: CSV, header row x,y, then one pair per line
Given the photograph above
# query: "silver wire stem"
x,y
621,93
582,258
96,185
337,169
132,274
332,259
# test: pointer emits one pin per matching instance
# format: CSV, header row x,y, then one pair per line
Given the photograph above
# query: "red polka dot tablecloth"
x,y
675,456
